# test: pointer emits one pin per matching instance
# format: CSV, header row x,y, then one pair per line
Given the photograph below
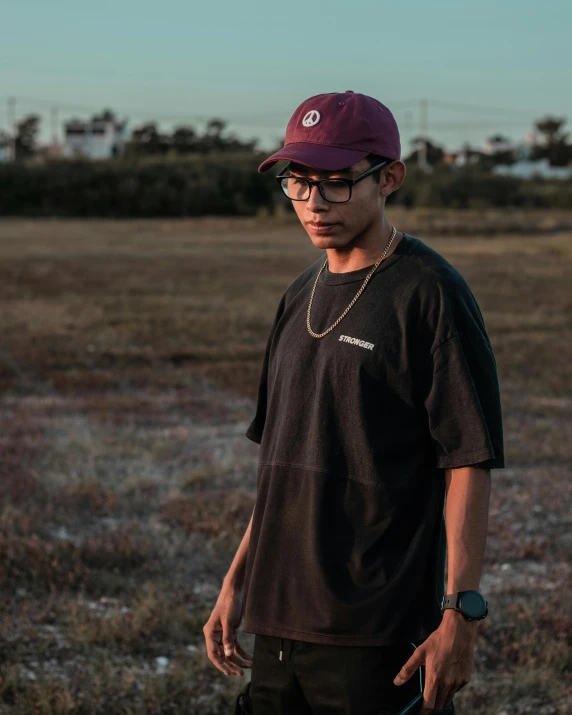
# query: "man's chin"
x,y
326,241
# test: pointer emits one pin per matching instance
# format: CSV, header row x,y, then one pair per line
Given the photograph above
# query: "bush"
x,y
230,185
463,188
117,188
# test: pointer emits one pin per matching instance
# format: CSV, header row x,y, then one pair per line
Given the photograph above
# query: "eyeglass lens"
x,y
299,189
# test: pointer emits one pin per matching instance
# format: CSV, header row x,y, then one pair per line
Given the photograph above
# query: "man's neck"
x,y
338,263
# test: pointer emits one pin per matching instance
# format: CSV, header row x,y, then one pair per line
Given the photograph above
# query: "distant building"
x,y
495,147
529,169
54,150
535,138
497,144
99,138
464,157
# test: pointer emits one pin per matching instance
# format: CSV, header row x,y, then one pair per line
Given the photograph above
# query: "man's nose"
x,y
316,201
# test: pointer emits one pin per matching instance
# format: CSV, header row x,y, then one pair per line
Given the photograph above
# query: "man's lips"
x,y
320,224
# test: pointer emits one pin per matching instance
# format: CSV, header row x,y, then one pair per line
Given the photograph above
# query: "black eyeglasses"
x,y
336,191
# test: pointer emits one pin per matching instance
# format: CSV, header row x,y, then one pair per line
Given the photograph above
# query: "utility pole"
x,y
409,127
12,125
424,133
54,126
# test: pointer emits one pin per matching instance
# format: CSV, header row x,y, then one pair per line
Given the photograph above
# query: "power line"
x,y
274,119
476,107
259,119
479,125
88,108
252,119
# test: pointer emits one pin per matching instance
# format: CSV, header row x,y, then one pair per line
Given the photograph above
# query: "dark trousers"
x,y
319,679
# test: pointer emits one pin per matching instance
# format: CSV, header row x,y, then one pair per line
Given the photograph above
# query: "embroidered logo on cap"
x,y
311,118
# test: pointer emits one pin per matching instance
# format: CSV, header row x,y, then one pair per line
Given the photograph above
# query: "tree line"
x,y
147,140
230,185
188,173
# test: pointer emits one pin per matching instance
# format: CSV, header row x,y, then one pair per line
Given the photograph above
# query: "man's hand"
x,y
448,657
221,631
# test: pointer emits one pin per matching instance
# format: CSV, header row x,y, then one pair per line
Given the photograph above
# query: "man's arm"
x,y
221,629
448,652
234,579
466,519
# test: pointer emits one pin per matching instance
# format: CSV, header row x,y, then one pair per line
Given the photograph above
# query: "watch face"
x,y
473,604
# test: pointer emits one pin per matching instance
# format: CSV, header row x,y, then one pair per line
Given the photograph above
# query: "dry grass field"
x,y
129,361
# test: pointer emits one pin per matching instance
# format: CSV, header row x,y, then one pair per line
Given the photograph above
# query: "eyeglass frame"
x,y
350,182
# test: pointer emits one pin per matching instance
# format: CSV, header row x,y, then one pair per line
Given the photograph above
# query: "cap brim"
x,y
316,156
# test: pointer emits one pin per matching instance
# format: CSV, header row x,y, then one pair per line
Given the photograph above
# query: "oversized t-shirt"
x,y
348,541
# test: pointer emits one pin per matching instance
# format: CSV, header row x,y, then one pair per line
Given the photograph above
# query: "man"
x,y
378,406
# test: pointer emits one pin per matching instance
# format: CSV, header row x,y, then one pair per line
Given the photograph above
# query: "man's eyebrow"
x,y
305,171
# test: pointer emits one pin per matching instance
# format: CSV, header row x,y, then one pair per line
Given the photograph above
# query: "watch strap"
x,y
451,600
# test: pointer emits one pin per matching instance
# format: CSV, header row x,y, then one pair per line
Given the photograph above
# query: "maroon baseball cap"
x,y
335,130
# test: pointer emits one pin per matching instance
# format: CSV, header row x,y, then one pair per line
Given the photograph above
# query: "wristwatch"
x,y
471,604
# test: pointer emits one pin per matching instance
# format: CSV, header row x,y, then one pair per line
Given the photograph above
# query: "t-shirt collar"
x,y
329,278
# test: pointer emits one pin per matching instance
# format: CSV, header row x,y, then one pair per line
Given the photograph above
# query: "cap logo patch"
x,y
311,118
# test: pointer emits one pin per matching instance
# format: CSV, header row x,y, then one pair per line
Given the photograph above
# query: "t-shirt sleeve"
x,y
463,404
256,427
460,387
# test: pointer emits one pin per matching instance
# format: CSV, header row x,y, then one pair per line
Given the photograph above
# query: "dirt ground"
x,y
129,361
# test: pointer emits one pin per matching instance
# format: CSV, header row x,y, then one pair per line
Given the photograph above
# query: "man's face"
x,y
345,221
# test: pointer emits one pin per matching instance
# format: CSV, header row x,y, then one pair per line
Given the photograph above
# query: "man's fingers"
x,y
238,660
242,653
227,638
225,664
227,649
229,661
215,652
234,660
449,698
410,667
215,657
224,650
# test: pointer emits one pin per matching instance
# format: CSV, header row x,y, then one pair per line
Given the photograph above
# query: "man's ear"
x,y
392,178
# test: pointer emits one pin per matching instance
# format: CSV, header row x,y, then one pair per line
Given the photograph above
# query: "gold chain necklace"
x,y
321,335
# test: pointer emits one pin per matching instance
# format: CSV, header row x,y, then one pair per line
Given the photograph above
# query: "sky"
x,y
485,67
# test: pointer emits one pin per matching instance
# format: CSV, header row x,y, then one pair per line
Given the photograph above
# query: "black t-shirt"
x,y
348,541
